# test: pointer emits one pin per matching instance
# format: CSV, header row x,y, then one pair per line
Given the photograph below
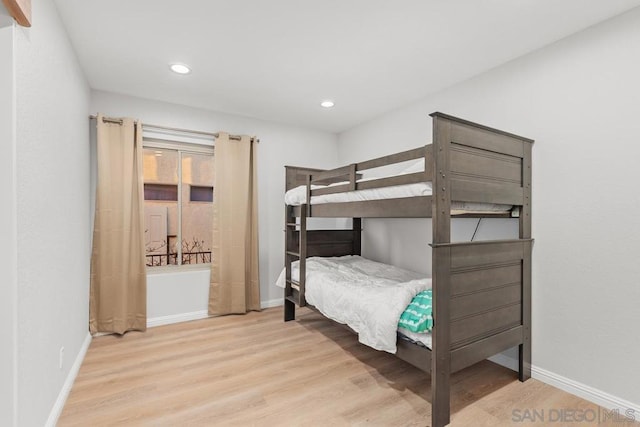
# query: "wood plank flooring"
x,y
256,370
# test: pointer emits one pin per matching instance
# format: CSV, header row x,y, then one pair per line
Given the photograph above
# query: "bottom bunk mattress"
x,y
369,297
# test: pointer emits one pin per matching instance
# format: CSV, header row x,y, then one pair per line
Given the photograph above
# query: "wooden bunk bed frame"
x,y
481,289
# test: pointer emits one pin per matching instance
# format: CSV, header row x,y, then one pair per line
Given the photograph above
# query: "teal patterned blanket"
x,y
417,317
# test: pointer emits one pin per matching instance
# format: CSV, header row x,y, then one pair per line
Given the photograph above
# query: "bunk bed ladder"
x,y
295,249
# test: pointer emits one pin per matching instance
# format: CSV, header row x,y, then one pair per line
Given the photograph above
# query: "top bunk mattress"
x,y
298,196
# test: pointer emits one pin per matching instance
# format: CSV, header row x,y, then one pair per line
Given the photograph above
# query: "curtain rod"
x,y
197,132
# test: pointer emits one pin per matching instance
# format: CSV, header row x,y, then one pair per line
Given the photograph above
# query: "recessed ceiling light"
x,y
180,69
327,104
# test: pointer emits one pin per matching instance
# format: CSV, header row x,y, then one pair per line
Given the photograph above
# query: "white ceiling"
x,y
278,59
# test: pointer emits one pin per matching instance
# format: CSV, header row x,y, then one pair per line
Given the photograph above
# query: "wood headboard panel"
x,y
485,165
327,243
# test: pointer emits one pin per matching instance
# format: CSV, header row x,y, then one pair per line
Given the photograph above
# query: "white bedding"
x,y
298,195
424,338
366,295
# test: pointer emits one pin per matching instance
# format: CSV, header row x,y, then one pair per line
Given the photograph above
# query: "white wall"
x,y
579,99
8,260
280,145
52,99
171,294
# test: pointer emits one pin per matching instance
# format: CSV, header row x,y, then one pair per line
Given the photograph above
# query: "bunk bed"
x,y
481,290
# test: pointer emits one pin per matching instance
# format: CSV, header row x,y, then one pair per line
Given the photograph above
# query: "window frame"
x,y
181,148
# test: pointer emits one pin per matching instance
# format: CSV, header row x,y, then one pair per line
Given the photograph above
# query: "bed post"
x,y
524,359
289,310
441,228
302,253
357,236
290,229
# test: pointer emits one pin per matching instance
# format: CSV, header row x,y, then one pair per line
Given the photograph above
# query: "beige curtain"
x,y
118,299
235,284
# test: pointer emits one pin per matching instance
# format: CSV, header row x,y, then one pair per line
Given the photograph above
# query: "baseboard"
x,y
576,388
197,315
272,303
56,411
586,392
177,318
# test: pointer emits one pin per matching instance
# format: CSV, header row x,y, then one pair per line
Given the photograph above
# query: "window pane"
x,y
197,208
160,168
161,192
201,194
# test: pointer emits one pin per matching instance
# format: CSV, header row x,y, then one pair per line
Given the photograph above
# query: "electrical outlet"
x,y
61,357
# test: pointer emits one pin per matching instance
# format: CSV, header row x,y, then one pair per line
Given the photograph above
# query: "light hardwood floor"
x,y
258,370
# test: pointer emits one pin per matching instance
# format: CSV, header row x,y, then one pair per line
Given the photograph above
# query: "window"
x,y
201,194
178,192
161,192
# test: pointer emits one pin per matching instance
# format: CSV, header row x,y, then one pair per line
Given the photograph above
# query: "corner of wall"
x,y
52,133
8,229
58,406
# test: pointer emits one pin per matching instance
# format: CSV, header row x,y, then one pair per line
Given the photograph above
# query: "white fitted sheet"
x,y
423,338
297,196
366,295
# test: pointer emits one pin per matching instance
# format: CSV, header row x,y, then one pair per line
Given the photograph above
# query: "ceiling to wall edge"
x,y
340,132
